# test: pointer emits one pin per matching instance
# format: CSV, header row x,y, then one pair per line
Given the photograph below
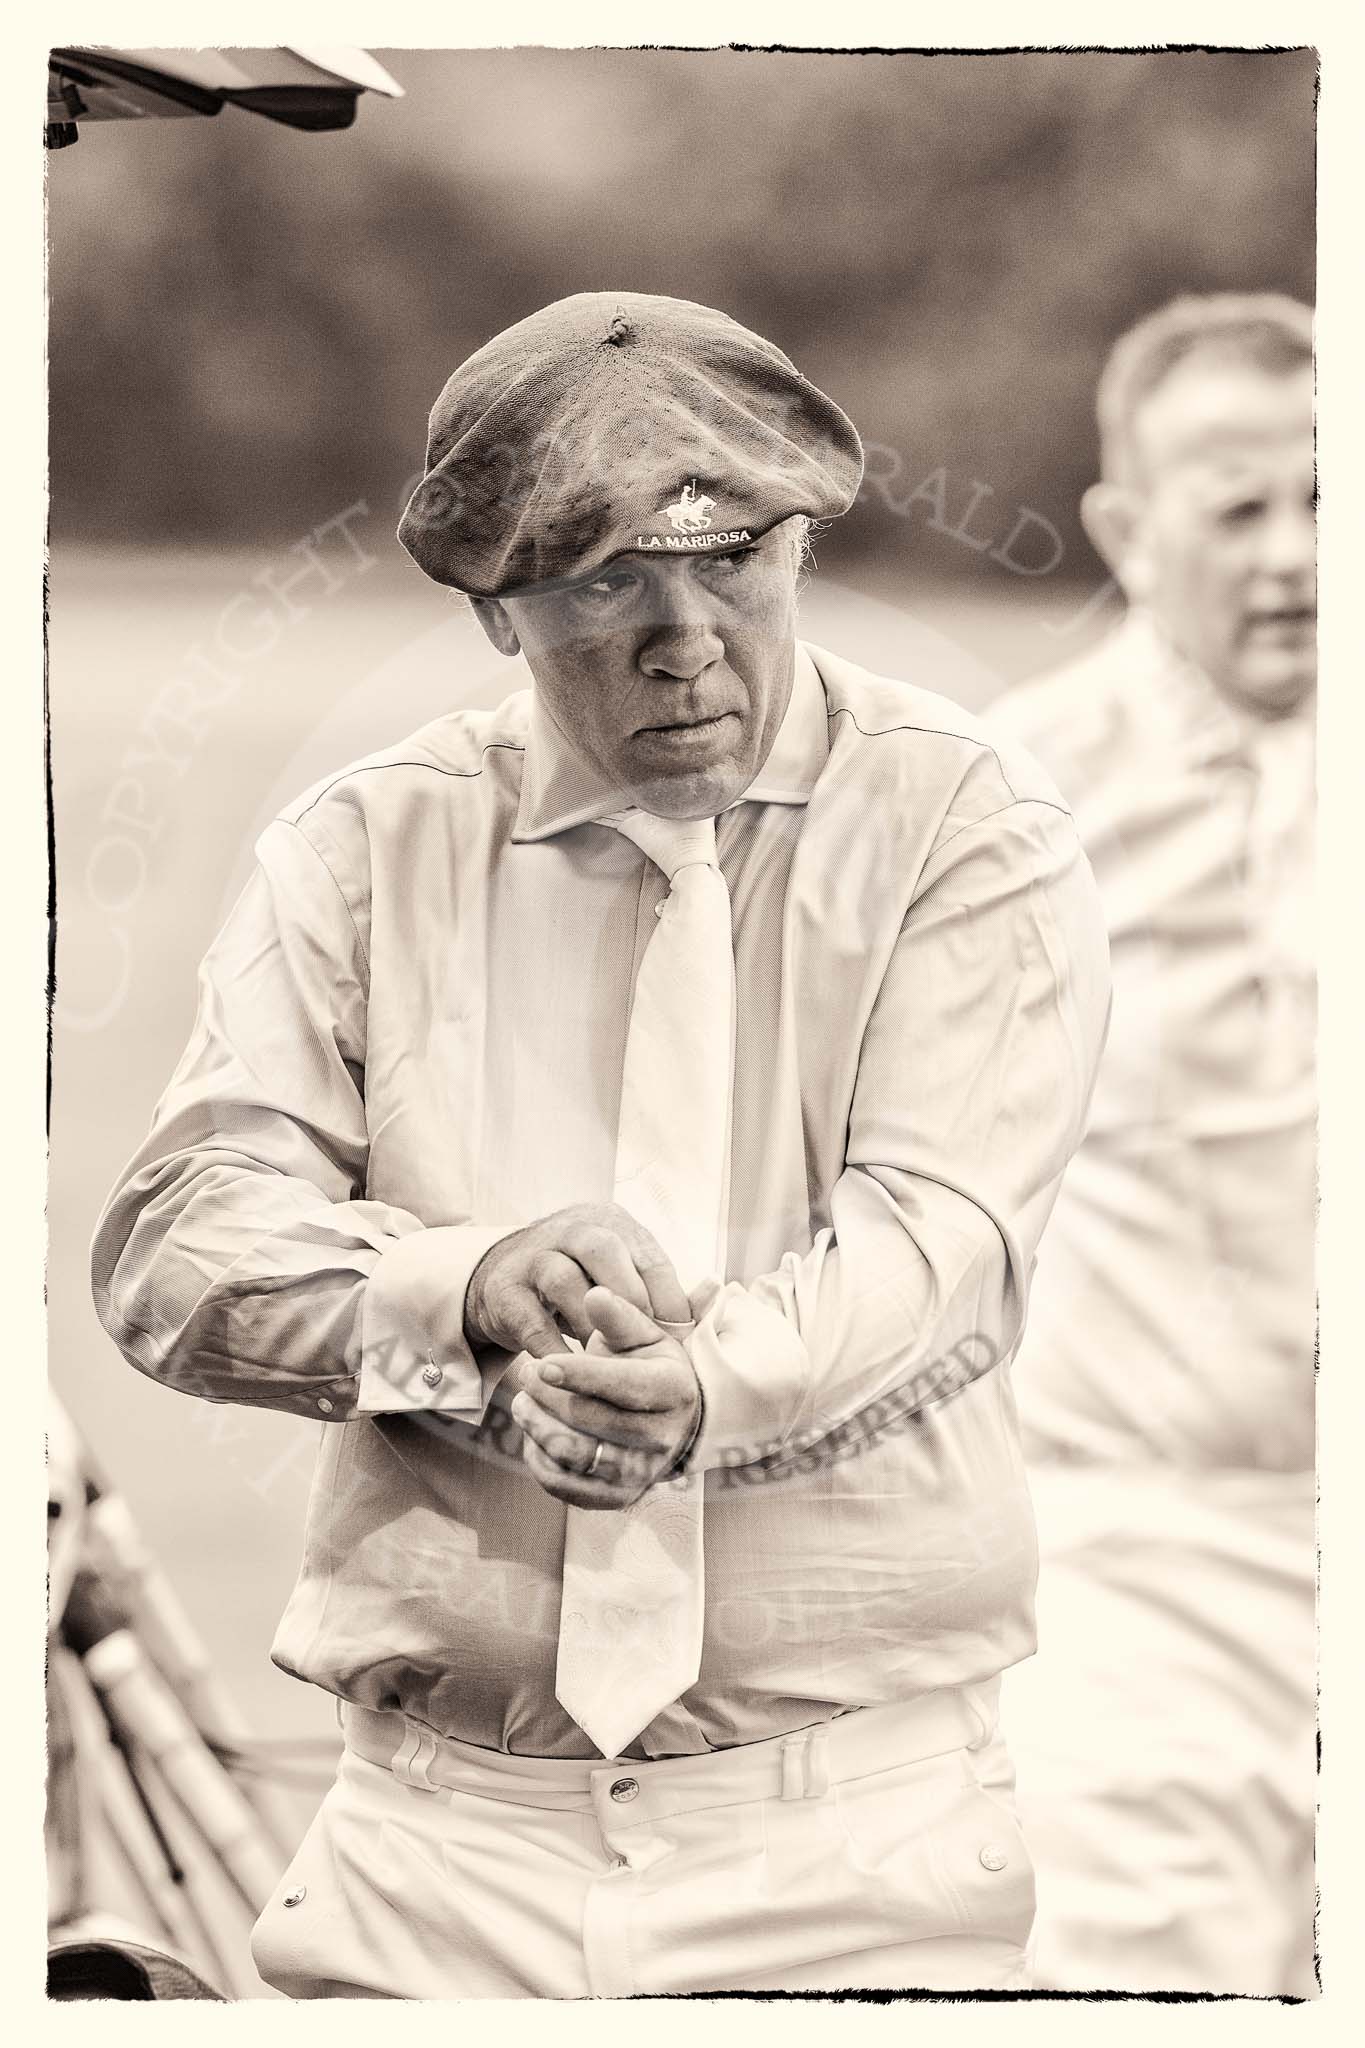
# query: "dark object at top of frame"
x,y
312,89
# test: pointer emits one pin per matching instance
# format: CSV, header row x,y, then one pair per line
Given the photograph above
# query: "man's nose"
x,y
1288,543
682,640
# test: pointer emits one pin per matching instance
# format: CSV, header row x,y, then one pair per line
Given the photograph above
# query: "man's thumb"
x,y
621,1325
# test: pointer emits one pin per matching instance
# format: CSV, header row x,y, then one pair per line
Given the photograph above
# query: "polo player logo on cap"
x,y
690,513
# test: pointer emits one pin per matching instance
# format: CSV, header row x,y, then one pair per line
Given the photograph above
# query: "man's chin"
x,y
1274,689
690,793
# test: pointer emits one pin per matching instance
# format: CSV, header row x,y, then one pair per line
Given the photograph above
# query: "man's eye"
x,y
1242,512
732,564
606,589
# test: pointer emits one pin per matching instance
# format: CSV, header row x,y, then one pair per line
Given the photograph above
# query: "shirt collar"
x,y
1189,706
560,789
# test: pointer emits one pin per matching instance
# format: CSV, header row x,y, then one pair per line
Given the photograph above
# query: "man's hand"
x,y
632,1409
532,1285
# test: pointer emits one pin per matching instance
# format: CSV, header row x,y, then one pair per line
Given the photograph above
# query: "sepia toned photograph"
x,y
683,1081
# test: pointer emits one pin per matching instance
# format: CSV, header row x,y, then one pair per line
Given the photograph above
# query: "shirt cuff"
x,y
414,1355
754,1370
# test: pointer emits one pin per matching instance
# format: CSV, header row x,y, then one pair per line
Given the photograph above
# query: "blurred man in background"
x,y
1166,1733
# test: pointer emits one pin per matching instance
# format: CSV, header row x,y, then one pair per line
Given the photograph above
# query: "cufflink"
x,y
431,1374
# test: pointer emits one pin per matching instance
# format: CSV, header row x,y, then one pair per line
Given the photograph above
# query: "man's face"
x,y
1223,536
670,673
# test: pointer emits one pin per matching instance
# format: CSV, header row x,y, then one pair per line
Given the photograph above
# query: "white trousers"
x,y
1164,1734
879,1849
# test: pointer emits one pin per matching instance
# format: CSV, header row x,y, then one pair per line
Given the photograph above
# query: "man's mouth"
x,y
1285,615
1284,626
678,727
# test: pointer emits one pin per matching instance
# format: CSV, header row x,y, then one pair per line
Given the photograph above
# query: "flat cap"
x,y
615,423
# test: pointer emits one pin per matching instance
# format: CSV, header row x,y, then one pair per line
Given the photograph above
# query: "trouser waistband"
x,y
801,1765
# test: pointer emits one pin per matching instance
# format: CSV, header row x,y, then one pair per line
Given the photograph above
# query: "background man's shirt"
x,y
409,1043
1173,1316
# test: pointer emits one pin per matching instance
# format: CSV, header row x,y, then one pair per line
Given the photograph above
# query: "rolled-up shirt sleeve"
x,y
974,1080
237,1258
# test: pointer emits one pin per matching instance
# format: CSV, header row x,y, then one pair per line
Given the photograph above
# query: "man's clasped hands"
x,y
602,1424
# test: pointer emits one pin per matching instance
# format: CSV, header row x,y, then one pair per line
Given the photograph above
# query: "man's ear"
x,y
496,624
1111,516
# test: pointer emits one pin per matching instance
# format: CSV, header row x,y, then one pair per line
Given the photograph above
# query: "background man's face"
x,y
670,673
1223,540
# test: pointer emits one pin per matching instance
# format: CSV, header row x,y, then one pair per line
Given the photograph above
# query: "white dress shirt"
x,y
1173,1314
409,1043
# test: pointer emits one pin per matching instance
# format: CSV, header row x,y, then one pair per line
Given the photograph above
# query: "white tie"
x,y
631,1610
1280,908
1280,842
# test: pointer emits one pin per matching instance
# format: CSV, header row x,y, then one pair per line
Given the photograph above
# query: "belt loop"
x,y
982,1703
415,1753
805,1764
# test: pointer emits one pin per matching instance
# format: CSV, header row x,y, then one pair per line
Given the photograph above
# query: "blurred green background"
x,y
247,324
247,328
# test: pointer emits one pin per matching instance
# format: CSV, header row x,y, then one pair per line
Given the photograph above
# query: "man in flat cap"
x,y
1166,1730
627,1118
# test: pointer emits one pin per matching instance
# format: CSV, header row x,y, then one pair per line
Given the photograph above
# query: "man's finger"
x,y
562,1285
620,1325
524,1325
703,1295
574,1491
568,1448
667,1301
606,1259
630,1428
574,1451
646,1386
